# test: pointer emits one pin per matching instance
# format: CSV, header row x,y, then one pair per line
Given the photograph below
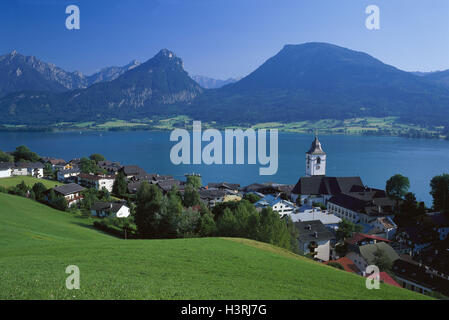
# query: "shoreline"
x,y
41,129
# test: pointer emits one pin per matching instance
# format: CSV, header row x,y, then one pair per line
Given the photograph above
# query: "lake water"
x,y
374,159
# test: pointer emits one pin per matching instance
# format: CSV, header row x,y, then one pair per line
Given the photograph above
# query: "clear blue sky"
x,y
223,38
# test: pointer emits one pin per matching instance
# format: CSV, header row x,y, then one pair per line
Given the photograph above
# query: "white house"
x,y
308,213
110,209
315,238
96,181
276,203
71,192
6,169
63,175
34,169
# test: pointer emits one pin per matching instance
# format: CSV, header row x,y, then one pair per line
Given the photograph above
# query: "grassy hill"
x,y
37,243
29,181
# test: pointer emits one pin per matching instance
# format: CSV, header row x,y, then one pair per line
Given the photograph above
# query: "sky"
x,y
222,38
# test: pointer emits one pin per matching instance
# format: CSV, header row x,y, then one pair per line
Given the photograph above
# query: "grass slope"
x,y
29,181
37,243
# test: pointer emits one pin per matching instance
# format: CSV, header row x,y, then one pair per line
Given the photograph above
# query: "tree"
x,y
39,190
194,181
191,196
439,186
170,215
4,157
119,187
381,260
207,228
48,171
22,153
97,157
251,197
148,210
90,166
397,187
346,229
189,222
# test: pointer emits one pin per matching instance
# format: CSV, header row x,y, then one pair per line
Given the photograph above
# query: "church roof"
x,y
315,148
316,185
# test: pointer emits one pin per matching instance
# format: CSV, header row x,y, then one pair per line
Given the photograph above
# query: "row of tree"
x,y
174,215
407,208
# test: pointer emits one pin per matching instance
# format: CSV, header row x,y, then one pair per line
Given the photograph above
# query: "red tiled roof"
x,y
385,277
347,264
360,236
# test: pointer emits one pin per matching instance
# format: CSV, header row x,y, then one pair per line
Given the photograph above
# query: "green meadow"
x,y
37,243
29,181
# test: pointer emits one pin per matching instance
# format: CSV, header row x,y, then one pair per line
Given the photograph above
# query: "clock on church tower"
x,y
315,160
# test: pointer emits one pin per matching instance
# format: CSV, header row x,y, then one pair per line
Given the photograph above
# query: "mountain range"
x,y
302,82
211,83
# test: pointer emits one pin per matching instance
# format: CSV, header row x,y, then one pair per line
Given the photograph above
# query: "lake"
x,y
372,158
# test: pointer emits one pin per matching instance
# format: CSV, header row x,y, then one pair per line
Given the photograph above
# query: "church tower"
x,y
315,160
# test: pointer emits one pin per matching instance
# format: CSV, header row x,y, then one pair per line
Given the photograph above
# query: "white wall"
x,y
5,173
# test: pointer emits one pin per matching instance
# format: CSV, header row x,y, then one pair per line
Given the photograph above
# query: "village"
x,y
338,221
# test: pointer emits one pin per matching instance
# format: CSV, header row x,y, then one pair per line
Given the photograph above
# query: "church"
x,y
315,186
346,197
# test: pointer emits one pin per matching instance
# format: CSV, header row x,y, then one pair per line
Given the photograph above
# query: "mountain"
x,y
111,73
210,83
319,80
308,81
19,72
145,90
440,77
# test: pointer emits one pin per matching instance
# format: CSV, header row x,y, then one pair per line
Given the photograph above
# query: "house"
x,y
268,188
56,164
66,174
386,278
212,197
133,171
319,189
414,276
71,192
167,185
97,182
440,224
360,239
362,207
19,170
435,260
110,209
308,213
415,237
6,169
34,169
314,237
347,265
232,187
385,226
364,255
111,167
279,205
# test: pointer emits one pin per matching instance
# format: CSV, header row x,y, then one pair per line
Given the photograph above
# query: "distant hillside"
x,y
440,77
310,81
37,243
318,80
143,90
28,73
210,83
110,73
19,73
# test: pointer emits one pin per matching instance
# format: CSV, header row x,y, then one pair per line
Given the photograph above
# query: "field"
x,y
29,181
37,243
